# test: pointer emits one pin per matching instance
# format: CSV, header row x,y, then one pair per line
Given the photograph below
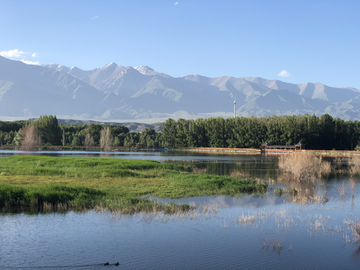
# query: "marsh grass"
x,y
355,166
80,167
249,219
302,165
108,184
45,195
275,243
278,192
355,227
49,198
342,189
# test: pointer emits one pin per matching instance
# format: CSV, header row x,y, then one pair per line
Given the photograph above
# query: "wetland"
x,y
218,229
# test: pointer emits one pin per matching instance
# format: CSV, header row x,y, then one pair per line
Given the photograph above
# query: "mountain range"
x,y
141,94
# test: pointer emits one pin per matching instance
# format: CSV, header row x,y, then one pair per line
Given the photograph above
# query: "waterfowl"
x,y
107,263
117,263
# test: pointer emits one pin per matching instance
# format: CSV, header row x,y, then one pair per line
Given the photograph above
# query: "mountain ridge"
x,y
116,92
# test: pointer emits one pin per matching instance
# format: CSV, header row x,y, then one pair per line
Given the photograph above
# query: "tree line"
x,y
322,132
53,133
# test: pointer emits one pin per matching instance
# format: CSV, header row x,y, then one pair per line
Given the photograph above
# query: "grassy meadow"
x,y
64,183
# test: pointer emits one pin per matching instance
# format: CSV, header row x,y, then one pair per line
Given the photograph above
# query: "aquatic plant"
x,y
302,165
293,191
342,190
249,219
278,192
355,165
355,226
48,198
276,243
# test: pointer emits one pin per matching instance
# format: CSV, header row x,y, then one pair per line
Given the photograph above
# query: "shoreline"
x,y
202,150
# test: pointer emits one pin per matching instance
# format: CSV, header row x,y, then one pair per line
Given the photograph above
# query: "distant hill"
x,y
133,127
126,94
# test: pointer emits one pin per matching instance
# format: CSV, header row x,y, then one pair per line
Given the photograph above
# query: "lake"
x,y
310,231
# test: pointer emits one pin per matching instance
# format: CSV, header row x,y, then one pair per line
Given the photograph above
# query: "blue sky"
x,y
293,41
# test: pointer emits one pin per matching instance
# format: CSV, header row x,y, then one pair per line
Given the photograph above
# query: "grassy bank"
x,y
113,184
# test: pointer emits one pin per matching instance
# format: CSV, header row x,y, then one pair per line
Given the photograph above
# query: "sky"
x,y
293,41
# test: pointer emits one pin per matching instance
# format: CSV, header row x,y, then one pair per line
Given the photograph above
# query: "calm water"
x,y
223,233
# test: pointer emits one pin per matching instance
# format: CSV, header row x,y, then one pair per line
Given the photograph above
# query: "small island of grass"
x,y
70,183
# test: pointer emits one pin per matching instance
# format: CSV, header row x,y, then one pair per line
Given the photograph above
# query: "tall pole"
x,y
234,108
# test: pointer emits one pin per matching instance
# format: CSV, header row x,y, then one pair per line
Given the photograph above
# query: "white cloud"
x,y
284,73
17,54
176,3
30,62
93,18
13,53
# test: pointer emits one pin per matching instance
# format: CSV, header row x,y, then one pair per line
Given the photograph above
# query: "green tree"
x,y
169,133
49,129
148,137
18,137
75,141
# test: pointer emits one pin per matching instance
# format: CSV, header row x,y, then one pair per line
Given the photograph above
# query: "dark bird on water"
x,y
117,263
107,263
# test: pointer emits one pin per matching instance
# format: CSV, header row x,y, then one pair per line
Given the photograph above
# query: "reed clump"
x,y
355,166
342,189
276,243
355,226
302,165
249,219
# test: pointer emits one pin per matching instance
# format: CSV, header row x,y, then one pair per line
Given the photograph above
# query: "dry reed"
x,y
342,190
355,166
276,243
246,219
355,226
302,165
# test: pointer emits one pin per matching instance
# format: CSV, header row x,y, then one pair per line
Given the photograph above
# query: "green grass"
x,y
61,197
107,183
78,167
